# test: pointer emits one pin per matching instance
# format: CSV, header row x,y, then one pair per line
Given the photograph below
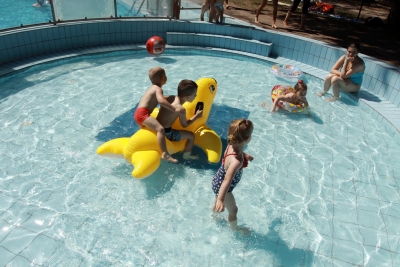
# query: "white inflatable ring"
x,y
286,71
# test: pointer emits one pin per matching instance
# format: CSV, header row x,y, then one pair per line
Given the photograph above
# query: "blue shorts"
x,y
172,135
221,7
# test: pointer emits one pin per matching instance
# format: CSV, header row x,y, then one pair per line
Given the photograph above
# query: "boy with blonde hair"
x,y
151,98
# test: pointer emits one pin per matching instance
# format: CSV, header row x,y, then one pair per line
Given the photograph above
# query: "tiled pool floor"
x,y
319,203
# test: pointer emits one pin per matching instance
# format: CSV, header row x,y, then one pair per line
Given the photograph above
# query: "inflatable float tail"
x,y
113,148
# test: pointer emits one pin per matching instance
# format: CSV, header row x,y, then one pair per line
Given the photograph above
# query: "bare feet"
x,y
235,227
243,230
202,18
256,20
285,23
331,99
274,26
188,155
168,157
321,93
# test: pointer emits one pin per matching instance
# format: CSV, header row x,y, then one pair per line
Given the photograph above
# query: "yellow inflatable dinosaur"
x,y
142,149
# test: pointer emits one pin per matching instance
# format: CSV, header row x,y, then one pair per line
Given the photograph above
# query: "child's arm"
x,y
164,102
280,98
233,168
248,157
185,123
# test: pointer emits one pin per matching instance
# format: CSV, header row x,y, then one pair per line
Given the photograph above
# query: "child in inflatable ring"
x,y
296,98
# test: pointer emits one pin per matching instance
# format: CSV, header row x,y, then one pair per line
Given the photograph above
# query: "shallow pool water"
x,y
13,13
321,191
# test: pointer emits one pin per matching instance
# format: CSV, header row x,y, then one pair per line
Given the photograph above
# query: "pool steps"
x,y
219,41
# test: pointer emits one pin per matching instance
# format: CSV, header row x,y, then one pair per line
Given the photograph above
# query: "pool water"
x,y
17,12
13,13
321,191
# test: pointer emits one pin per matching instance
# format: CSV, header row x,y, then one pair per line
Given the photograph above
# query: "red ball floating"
x,y
155,45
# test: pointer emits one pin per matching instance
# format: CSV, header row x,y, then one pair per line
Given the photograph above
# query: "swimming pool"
x,y
322,190
17,12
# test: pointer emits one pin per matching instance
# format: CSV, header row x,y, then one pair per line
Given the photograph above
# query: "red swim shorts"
x,y
141,114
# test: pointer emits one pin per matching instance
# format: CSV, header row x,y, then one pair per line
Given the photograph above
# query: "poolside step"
x,y
219,41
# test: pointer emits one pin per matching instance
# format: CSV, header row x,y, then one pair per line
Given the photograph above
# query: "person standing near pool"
x,y
230,172
208,5
176,9
304,12
219,11
274,12
346,75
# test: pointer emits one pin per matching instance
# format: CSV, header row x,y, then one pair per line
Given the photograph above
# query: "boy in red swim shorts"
x,y
151,98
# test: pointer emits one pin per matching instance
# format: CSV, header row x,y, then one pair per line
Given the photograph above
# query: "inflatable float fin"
x,y
113,148
210,142
145,163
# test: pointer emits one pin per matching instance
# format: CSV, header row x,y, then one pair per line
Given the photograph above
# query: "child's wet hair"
x,y
300,84
187,88
155,75
239,131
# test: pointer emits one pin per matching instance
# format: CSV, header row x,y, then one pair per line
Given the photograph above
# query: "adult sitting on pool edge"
x,y
346,74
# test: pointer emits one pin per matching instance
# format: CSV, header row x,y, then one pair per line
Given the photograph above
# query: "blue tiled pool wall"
x,y
380,78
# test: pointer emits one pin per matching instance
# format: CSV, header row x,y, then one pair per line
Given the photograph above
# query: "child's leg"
x,y
187,153
154,125
213,205
230,205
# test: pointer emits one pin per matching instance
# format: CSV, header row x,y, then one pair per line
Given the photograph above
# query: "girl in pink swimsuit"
x,y
230,172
